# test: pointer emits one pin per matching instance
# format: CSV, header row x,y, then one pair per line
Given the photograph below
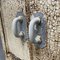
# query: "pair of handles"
x,y
37,33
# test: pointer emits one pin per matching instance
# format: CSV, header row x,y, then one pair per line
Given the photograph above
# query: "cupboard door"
x,y
27,50
15,49
51,10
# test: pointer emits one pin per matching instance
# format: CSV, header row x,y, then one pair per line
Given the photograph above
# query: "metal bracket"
x,y
19,26
37,30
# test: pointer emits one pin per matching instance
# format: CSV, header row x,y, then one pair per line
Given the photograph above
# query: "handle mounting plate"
x,y
41,30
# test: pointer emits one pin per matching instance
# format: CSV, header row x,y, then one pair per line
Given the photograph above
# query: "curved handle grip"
x,y
14,26
31,27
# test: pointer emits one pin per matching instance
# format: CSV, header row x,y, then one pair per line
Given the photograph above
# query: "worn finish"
x,y
19,26
13,44
38,27
51,10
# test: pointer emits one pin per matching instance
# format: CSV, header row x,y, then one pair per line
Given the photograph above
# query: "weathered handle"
x,y
31,27
15,26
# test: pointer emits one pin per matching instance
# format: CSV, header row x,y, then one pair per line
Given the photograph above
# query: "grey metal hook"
x,y
37,29
19,25
31,27
14,26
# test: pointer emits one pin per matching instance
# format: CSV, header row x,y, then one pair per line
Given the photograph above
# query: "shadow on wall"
x,y
2,55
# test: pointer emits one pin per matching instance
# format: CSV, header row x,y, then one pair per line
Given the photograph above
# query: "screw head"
x,y
20,18
21,34
38,39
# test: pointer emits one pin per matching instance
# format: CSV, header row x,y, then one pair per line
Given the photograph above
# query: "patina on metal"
x,y
37,29
19,26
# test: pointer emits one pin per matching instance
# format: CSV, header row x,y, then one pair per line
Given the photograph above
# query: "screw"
x,y
38,39
21,18
21,34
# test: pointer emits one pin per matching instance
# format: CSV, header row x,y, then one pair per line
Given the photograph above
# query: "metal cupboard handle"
x,y
19,26
37,29
15,26
31,27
